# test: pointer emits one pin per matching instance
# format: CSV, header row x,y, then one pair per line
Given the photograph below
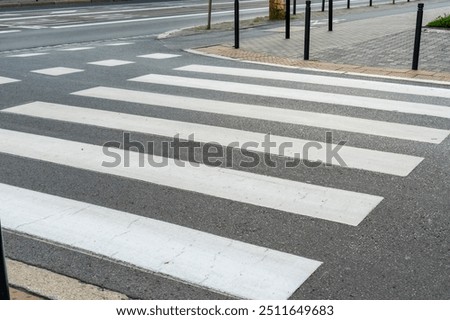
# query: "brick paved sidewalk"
x,y
379,45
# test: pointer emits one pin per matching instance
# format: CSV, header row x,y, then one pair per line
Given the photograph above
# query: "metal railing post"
x,y
330,15
307,29
419,20
288,19
236,24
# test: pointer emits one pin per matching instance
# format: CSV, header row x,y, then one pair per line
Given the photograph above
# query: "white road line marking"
x,y
119,44
358,158
26,55
296,94
321,120
153,19
203,259
9,31
57,71
322,80
159,56
111,63
77,49
63,12
331,204
4,80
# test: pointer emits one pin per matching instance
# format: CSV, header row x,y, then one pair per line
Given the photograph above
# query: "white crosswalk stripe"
x,y
284,195
223,265
322,80
296,94
4,80
199,257
297,117
384,162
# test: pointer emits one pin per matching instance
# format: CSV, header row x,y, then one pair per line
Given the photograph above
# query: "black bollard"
x,y
370,3
4,287
415,63
348,4
294,8
288,19
307,29
236,24
330,15
323,5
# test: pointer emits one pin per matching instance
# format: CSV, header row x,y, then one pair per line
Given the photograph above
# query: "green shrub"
x,y
440,22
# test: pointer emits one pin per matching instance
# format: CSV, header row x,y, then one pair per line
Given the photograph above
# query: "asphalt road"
x,y
399,249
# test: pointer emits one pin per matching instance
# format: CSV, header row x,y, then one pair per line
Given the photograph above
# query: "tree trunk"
x,y
277,9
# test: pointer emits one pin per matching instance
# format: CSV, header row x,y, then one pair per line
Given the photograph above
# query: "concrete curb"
x,y
32,283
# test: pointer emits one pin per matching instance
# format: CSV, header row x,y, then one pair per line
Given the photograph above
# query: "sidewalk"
x,y
375,45
16,294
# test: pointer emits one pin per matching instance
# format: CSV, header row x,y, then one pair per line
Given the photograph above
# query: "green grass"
x,y
440,22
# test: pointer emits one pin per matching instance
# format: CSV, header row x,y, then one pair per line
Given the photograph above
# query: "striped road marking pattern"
x,y
322,80
358,158
285,195
296,94
223,265
297,117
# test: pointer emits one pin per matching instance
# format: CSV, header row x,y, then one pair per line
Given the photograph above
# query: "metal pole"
x,y
236,24
294,8
370,3
348,4
323,5
208,27
288,19
307,29
4,287
415,63
330,15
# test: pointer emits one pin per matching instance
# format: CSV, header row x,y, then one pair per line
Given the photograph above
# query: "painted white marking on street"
x,y
159,56
57,71
119,44
9,31
320,202
26,55
322,80
203,259
4,80
153,19
297,94
77,49
63,12
357,158
32,27
321,120
111,63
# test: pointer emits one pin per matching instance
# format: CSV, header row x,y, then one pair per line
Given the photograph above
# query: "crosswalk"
x,y
195,256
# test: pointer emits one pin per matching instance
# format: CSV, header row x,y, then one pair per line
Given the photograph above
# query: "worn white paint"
x,y
284,195
296,94
358,158
297,117
221,264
